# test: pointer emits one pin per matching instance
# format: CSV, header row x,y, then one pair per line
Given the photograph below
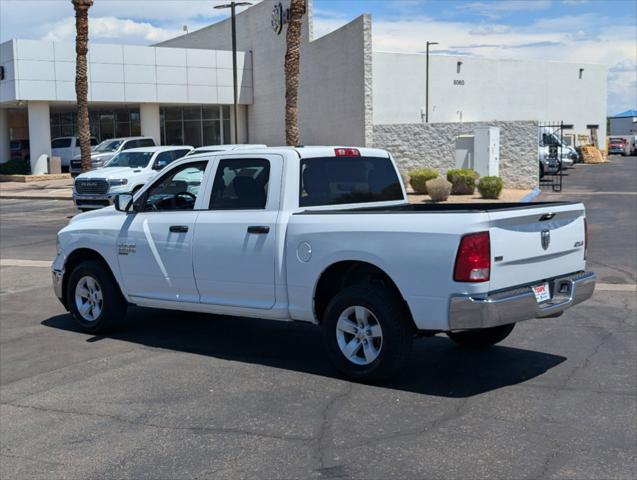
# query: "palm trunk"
x,y
81,79
292,67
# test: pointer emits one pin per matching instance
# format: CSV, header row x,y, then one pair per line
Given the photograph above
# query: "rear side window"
x,y
339,180
61,143
241,184
145,142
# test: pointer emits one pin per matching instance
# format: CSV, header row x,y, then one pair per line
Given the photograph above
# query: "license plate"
x,y
542,292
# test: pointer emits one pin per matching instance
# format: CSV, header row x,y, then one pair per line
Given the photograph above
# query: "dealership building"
x,y
180,90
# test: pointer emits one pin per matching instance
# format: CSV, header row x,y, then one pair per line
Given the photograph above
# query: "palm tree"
x,y
292,67
81,80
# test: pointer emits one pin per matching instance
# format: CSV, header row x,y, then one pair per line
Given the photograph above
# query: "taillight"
x,y
473,261
347,152
585,238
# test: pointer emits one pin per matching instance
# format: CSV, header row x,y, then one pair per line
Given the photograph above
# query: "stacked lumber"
x,y
592,154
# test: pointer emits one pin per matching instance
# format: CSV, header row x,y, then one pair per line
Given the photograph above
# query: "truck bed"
x,y
438,208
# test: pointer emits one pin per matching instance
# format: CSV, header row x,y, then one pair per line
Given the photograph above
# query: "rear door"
x,y
235,239
533,244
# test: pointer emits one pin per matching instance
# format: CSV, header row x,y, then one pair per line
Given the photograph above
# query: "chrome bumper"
x,y
519,304
93,200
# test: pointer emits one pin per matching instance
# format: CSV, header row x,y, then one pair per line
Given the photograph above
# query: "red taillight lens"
x,y
347,152
473,262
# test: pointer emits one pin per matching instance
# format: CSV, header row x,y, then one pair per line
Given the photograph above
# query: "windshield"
x,y
108,146
130,159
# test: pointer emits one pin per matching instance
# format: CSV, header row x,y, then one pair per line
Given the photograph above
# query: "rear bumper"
x,y
519,304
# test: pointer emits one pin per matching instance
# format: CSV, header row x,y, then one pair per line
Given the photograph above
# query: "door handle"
x,y
178,228
258,229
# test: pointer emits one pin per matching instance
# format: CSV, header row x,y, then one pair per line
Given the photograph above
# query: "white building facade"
x,y
180,91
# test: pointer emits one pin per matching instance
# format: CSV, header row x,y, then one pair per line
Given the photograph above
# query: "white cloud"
x,y
491,9
490,29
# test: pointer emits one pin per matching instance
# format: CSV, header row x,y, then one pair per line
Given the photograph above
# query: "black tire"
x,y
541,170
397,332
482,337
113,304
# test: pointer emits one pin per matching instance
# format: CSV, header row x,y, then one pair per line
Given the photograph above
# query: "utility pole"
x,y
232,6
427,84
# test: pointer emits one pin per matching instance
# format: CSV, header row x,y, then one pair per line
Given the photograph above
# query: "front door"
x,y
155,244
235,239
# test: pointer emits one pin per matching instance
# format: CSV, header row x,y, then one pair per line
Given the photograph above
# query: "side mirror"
x,y
159,164
122,202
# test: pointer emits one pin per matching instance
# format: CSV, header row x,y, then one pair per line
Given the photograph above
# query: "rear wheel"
x,y
482,337
367,334
94,298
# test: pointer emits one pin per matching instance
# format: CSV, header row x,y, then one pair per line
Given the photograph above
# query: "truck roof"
x,y
159,148
314,151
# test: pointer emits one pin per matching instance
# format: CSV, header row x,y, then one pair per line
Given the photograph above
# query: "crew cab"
x,y
127,171
107,149
323,235
68,148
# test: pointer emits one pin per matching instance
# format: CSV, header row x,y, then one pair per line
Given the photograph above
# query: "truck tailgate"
x,y
530,245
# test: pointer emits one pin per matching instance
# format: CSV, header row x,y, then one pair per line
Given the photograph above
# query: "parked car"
x,y
67,148
553,153
106,150
128,171
224,148
19,150
618,146
323,235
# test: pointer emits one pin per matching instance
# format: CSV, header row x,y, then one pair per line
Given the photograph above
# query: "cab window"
x,y
241,184
176,190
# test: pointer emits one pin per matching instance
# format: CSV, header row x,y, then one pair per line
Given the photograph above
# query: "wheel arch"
x,y
345,273
78,256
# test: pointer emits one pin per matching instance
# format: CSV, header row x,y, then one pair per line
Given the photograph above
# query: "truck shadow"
x,y
437,366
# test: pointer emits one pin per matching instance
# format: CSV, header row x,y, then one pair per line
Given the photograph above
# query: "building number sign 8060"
x,y
458,82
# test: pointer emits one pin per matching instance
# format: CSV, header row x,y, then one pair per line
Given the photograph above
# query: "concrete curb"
x,y
529,197
34,197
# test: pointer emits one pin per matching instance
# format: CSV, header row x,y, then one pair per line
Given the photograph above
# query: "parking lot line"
x,y
12,262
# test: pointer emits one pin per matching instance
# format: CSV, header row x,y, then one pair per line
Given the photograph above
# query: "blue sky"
x,y
583,31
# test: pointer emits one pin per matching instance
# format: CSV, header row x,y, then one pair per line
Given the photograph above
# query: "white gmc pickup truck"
x,y
323,235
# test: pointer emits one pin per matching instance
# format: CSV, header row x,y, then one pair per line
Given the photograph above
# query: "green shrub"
x,y
463,181
490,187
15,167
438,189
418,179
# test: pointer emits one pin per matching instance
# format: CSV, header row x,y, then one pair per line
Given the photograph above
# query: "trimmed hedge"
x,y
490,187
418,179
438,189
463,181
15,167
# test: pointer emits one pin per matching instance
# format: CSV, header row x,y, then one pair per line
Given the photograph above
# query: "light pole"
x,y
232,6
427,84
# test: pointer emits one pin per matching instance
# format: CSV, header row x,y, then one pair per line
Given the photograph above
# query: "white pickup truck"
x,y
323,235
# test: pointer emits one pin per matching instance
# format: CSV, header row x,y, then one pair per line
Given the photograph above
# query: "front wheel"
x,y
367,334
94,298
482,337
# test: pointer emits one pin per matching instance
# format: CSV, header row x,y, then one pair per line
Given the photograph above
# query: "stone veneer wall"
x,y
432,145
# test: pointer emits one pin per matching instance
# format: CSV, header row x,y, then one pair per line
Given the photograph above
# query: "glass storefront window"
x,y
104,124
194,125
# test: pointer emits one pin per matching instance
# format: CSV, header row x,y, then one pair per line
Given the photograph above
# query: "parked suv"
x,y
67,148
126,172
108,149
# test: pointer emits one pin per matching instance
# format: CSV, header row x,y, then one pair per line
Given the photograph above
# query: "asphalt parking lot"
x,y
176,395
